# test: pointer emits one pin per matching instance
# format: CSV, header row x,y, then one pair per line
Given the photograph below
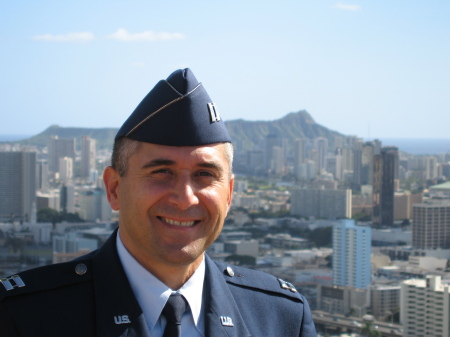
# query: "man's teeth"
x,y
179,223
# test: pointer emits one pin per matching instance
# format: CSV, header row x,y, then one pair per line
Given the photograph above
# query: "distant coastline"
x,y
13,138
417,146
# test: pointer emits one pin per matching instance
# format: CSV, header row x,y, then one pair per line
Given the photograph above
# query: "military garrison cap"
x,y
176,112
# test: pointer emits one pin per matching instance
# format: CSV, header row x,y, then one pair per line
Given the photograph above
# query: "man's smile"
x,y
178,223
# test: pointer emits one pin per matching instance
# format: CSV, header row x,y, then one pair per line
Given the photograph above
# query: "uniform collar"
x,y
152,294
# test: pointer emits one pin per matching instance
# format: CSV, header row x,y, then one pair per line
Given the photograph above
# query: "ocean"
x,y
419,146
13,138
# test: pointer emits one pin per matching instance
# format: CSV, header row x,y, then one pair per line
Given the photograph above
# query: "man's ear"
x,y
111,179
231,188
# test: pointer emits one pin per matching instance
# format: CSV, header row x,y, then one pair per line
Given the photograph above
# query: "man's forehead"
x,y
210,152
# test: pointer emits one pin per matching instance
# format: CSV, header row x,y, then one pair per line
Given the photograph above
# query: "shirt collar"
x,y
152,294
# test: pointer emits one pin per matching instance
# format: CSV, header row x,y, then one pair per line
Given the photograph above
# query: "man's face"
x,y
172,201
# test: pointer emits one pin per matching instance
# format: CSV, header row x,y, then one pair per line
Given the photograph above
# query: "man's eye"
x,y
161,171
205,174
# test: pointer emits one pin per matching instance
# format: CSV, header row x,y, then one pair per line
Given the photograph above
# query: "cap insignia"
x,y
215,117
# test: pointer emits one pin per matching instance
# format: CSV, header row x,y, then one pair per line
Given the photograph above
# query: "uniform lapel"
x,y
117,310
222,316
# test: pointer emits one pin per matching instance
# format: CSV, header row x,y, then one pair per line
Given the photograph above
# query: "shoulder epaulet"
x,y
45,278
258,280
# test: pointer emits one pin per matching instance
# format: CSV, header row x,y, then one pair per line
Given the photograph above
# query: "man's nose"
x,y
184,194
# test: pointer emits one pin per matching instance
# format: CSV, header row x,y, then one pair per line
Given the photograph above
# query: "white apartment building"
x,y
321,203
424,307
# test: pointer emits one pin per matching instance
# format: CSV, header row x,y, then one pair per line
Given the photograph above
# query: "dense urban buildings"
x,y
291,215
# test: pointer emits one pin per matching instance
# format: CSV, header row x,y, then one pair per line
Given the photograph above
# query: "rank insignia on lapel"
x,y
123,319
287,285
12,282
226,321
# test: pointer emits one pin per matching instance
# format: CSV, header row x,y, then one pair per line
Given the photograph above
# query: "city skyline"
x,y
374,70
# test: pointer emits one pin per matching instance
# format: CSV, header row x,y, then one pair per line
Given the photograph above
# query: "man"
x,y
171,179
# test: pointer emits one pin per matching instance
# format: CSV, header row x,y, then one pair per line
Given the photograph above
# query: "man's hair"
x,y
124,148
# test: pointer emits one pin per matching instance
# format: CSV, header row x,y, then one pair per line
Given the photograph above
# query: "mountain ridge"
x,y
246,135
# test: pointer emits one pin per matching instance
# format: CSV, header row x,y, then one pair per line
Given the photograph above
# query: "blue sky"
x,y
374,69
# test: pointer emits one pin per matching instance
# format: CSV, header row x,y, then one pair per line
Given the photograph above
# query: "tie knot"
x,y
174,308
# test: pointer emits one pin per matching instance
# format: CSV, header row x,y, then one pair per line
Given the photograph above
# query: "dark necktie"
x,y
173,311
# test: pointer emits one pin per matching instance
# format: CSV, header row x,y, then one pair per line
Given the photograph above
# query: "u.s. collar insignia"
x,y
12,282
287,285
122,319
226,321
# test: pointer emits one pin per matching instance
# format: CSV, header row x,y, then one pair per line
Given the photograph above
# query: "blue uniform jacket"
x,y
91,296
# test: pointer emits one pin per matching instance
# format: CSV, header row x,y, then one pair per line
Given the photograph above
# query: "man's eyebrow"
x,y
158,162
212,165
169,162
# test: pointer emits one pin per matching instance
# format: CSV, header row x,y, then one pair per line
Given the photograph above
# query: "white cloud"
x,y
347,7
124,35
69,37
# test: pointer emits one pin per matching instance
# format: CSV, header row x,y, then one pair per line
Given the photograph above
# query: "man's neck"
x,y
172,276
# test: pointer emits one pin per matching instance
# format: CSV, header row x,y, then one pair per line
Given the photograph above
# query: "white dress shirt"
x,y
152,295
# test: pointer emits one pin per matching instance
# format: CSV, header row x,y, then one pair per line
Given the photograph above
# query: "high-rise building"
x,y
17,186
67,199
299,157
351,254
88,156
429,166
65,168
425,307
357,164
368,152
271,141
59,148
277,165
42,175
321,146
431,225
384,182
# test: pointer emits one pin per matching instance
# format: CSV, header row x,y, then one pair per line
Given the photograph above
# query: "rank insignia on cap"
x,y
287,285
12,282
215,117
176,112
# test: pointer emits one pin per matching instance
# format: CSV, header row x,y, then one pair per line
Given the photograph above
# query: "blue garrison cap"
x,y
176,112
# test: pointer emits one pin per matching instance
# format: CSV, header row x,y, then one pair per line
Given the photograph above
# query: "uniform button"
x,y
230,271
81,269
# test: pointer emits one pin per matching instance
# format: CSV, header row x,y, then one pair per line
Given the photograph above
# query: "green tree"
x,y
245,260
53,216
369,331
321,237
